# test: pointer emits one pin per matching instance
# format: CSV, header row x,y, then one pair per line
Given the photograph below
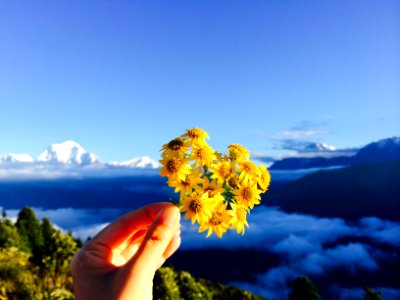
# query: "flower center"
x,y
187,181
200,153
175,145
195,205
193,133
210,191
173,165
233,183
216,219
233,155
224,171
246,168
246,193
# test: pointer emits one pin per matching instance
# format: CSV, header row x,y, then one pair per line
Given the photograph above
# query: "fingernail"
x,y
169,216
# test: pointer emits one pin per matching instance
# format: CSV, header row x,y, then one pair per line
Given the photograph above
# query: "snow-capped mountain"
x,y
318,147
69,159
69,153
15,158
144,162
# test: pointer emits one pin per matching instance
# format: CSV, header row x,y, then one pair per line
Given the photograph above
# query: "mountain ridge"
x,y
382,150
70,153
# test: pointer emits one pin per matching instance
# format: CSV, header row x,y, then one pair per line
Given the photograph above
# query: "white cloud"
x,y
274,284
305,245
300,134
295,246
27,171
352,257
85,232
382,231
269,226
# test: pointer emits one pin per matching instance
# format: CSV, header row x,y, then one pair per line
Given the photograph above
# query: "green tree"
x,y
190,289
9,235
55,274
47,234
17,281
29,228
165,286
303,288
370,294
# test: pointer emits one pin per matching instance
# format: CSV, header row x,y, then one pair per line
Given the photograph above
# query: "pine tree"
x,y
47,233
29,228
370,294
304,289
9,236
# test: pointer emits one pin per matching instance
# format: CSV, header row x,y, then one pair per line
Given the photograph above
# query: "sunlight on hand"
x,y
124,252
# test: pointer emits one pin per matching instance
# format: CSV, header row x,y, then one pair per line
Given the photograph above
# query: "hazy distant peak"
x,y
13,157
68,152
382,150
144,162
318,147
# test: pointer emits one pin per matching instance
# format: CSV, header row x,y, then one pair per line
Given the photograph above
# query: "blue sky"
x,y
123,77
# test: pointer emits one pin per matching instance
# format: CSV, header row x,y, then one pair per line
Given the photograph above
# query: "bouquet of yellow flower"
x,y
218,191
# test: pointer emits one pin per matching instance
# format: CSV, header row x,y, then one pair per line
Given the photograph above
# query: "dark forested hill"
x,y
371,189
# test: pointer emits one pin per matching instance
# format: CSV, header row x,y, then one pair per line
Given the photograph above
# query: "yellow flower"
x,y
239,214
216,190
248,170
175,146
247,194
237,152
196,136
203,155
218,222
213,189
191,181
175,168
197,208
233,181
221,171
264,178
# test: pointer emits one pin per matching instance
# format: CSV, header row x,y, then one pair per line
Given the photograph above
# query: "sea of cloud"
x,y
22,171
306,244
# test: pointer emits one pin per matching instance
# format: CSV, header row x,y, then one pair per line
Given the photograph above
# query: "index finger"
x,y
124,227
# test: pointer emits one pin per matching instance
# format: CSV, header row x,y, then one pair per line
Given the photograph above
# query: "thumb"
x,y
156,241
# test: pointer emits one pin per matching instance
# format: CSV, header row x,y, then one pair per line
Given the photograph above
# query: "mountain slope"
x,y
371,189
15,158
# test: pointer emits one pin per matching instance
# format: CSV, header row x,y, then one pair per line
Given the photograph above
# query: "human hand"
x,y
121,260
